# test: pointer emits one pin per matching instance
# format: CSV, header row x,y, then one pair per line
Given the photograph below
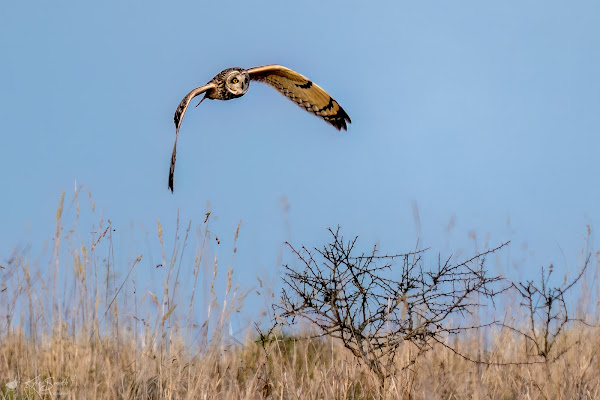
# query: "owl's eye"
x,y
234,80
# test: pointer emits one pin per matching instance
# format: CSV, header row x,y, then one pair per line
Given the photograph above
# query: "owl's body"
x,y
226,89
232,83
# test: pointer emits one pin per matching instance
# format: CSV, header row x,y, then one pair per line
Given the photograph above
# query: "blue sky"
x,y
485,112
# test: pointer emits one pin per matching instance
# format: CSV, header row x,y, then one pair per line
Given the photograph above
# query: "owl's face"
x,y
237,82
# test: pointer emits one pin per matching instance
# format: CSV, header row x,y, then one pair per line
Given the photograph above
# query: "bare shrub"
x,y
374,308
547,313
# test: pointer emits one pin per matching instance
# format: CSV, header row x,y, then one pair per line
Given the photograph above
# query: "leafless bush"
x,y
374,308
546,311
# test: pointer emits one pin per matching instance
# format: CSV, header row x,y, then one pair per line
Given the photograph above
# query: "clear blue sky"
x,y
485,111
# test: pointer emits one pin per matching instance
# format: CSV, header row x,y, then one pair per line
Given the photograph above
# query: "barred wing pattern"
x,y
179,113
303,92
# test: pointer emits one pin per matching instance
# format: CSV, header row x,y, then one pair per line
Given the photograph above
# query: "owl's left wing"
x,y
303,92
179,113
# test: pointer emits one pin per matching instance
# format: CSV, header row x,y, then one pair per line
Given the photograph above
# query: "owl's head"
x,y
237,82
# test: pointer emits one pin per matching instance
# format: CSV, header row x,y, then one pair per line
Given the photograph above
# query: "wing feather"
x,y
179,113
303,92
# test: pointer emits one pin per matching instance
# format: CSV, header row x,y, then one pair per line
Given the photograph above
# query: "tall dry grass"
x,y
82,323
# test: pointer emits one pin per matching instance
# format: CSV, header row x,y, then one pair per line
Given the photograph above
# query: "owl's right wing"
x,y
179,113
303,92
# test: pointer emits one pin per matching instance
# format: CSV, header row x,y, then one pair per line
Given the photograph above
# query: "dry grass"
x,y
81,328
62,366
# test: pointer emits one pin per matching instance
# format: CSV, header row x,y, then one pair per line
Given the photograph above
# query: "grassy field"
x,y
80,327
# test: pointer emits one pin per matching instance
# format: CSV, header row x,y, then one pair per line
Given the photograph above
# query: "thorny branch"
x,y
373,308
547,311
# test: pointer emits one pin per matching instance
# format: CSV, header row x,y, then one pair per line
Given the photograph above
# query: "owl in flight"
x,y
234,82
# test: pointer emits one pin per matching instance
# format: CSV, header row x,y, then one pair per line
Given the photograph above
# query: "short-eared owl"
x,y
234,82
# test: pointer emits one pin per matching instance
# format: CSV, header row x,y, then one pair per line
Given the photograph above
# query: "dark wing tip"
x,y
339,119
172,167
177,116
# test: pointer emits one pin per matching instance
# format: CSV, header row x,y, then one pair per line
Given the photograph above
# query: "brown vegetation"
x,y
82,329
